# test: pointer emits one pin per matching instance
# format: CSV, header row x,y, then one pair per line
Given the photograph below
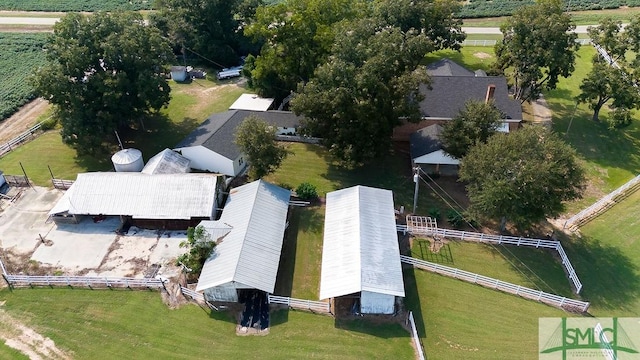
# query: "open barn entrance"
x,y
256,309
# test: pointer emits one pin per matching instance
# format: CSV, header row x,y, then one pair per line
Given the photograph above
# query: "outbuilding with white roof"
x,y
361,255
250,234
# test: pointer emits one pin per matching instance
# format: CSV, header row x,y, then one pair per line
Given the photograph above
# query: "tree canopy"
x,y
257,139
212,29
473,125
614,78
524,176
538,47
371,80
104,72
200,245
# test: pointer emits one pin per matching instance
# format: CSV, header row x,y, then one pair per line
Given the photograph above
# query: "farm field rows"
x,y
75,5
21,55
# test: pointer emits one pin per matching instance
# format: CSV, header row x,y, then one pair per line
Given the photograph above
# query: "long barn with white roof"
x,y
361,255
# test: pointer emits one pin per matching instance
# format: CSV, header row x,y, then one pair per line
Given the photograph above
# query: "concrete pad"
x,y
167,252
22,221
78,246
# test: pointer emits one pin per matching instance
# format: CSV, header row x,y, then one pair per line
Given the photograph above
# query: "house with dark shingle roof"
x,y
427,152
451,87
211,146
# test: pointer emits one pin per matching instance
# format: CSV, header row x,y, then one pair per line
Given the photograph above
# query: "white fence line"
x,y
501,240
601,205
415,337
194,295
88,281
13,143
493,42
527,293
315,306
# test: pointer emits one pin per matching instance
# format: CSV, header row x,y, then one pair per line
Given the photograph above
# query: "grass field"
x,y
106,324
590,17
190,105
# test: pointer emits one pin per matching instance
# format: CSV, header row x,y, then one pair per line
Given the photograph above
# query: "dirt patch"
x,y
482,55
18,336
22,120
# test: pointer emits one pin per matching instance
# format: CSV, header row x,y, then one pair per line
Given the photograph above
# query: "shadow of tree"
x,y
610,279
374,325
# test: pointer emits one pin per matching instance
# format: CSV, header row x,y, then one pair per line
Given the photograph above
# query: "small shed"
x,y
250,234
427,152
179,73
167,162
252,102
360,253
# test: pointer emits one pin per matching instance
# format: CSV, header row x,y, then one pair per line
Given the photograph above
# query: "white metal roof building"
x,y
141,196
167,162
252,102
251,231
360,252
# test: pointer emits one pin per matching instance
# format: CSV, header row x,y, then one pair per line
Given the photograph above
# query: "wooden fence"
x,y
415,337
527,293
16,281
17,180
502,240
61,184
603,204
18,140
310,305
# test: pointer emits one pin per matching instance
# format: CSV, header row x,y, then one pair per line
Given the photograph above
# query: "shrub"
x,y
306,191
49,124
454,218
434,213
619,118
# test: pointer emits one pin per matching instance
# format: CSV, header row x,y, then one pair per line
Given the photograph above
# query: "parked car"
x,y
229,73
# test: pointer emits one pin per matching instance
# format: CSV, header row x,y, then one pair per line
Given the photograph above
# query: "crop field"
x,y
21,55
75,5
483,8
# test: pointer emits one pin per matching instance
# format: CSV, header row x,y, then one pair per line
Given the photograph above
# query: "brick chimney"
x,y
491,89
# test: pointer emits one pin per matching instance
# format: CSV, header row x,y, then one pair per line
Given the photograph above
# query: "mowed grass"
x,y
300,261
9,353
588,17
612,271
458,320
104,324
190,105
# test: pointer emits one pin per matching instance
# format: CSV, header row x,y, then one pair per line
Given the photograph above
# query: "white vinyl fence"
x,y
602,205
415,337
493,42
527,293
18,140
89,281
310,305
500,240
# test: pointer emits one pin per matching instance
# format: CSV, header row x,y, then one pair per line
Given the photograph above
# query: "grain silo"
x,y
128,160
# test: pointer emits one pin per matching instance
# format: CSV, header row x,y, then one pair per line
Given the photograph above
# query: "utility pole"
x,y
416,179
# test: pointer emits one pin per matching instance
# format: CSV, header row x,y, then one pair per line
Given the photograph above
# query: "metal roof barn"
x,y
252,226
360,251
141,196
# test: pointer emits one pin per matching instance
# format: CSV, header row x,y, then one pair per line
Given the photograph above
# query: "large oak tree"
x,y
538,47
104,72
524,176
473,125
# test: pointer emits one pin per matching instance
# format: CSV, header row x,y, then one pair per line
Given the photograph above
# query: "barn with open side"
x,y
250,234
161,201
361,255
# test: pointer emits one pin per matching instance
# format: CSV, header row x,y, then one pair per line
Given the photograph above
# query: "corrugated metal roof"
x,y
250,253
360,251
167,162
161,196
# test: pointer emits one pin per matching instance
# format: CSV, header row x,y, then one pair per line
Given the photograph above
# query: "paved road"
x,y
581,29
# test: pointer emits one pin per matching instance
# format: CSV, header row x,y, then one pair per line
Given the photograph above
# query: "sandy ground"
x,y
22,120
26,340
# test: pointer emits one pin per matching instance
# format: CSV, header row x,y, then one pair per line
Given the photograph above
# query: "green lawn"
x,y
8,353
590,17
105,324
300,262
190,105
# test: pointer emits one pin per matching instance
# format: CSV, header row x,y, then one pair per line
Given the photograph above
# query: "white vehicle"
x,y
229,73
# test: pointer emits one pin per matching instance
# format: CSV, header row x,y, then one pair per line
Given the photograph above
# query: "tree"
x,y
213,29
371,80
104,73
296,36
473,125
538,47
524,176
200,246
612,79
257,139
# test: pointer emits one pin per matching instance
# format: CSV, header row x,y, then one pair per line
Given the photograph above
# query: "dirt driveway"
x,y
22,120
